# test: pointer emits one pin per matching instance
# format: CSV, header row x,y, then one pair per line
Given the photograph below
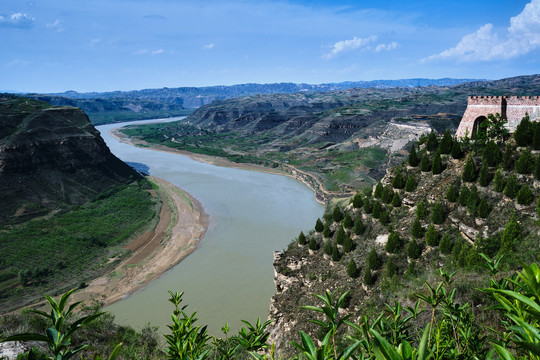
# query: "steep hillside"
x,y
51,158
440,211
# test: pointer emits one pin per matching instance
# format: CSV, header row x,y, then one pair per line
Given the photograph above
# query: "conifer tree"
x,y
348,244
524,196
368,205
348,221
352,270
373,260
368,278
538,208
417,230
437,214
319,226
524,132
328,247
393,245
410,185
398,182
437,166
536,136
326,231
358,226
425,164
492,154
508,157
340,235
377,209
432,142
463,195
411,269
473,200
445,246
445,147
469,171
413,158
456,152
396,200
483,208
512,186
421,211
337,215
451,193
432,236
391,268
525,163
511,236
387,195
313,245
378,190
357,201
413,250
499,181
484,179
336,255
302,238
384,218
537,167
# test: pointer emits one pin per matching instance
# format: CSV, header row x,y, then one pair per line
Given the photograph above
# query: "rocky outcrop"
x,y
50,158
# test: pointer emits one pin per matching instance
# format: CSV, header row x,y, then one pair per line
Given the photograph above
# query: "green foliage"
x,y
469,170
525,196
445,147
399,181
413,158
497,128
369,279
537,167
512,186
425,164
536,137
499,181
327,248
336,255
524,132
508,158
421,211
327,233
396,200
313,244
348,244
368,205
413,250
438,213
394,244
483,208
473,200
456,152
488,245
357,201
437,166
410,185
432,236
302,238
352,270
538,208
348,222
445,246
378,190
340,235
391,268
484,177
417,230
377,210
384,218
337,215
358,228
373,260
387,195
319,226
492,154
432,142
511,236
525,163
451,193
463,195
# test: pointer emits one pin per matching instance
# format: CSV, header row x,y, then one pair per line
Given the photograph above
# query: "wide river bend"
x,y
230,276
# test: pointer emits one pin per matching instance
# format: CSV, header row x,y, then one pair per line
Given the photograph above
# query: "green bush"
x,y
384,218
463,195
499,181
327,248
393,245
473,200
368,277
357,201
469,171
457,152
437,213
445,147
492,154
508,158
378,190
436,165
425,164
340,235
396,200
336,255
483,208
421,211
399,181
417,230
451,193
484,177
525,196
432,236
358,228
313,245
368,205
337,215
391,268
319,226
413,157
327,232
511,236
410,185
348,222
525,163
302,238
413,250
352,270
373,260
348,244
377,209
445,246
387,195
512,186
524,132
432,142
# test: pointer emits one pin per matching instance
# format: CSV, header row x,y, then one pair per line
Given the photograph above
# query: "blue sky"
x,y
104,45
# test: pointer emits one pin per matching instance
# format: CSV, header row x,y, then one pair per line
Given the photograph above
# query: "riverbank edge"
x,y
322,196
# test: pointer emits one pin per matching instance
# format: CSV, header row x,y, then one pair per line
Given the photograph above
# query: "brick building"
x,y
512,108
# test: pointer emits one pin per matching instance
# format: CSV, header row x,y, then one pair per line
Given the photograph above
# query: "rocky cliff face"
x,y
50,158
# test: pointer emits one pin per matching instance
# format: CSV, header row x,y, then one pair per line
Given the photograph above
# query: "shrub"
x,y
373,260
445,245
417,230
384,218
358,228
473,200
387,195
413,158
445,147
483,208
396,200
302,238
399,181
524,196
538,208
328,247
537,167
336,255
377,209
432,142
340,235
437,166
489,246
524,132
368,278
337,215
413,250
492,154
421,211
484,177
352,270
319,226
508,158
368,205
348,222
469,171
393,245
457,152
499,181
511,236
525,163
432,236
451,193
391,268
536,136
410,185
313,245
463,195
327,232
512,186
425,164
357,201
378,190
348,244
411,269
437,213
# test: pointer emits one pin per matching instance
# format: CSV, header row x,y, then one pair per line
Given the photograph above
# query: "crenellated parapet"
x,y
511,108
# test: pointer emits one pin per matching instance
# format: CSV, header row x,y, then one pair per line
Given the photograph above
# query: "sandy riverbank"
x,y
182,224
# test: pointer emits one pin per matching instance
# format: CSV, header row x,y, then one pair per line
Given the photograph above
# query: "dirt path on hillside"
x,y
181,226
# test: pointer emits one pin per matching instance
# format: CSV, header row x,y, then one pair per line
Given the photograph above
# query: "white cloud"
x,y
522,37
208,47
141,52
387,47
347,45
17,20
56,26
158,51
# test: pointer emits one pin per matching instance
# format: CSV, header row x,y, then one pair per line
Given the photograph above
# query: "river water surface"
x,y
230,276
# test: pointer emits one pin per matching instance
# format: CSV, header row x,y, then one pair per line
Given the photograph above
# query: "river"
x,y
230,276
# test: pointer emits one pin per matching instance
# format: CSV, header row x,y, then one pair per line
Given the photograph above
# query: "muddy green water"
x,y
230,276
